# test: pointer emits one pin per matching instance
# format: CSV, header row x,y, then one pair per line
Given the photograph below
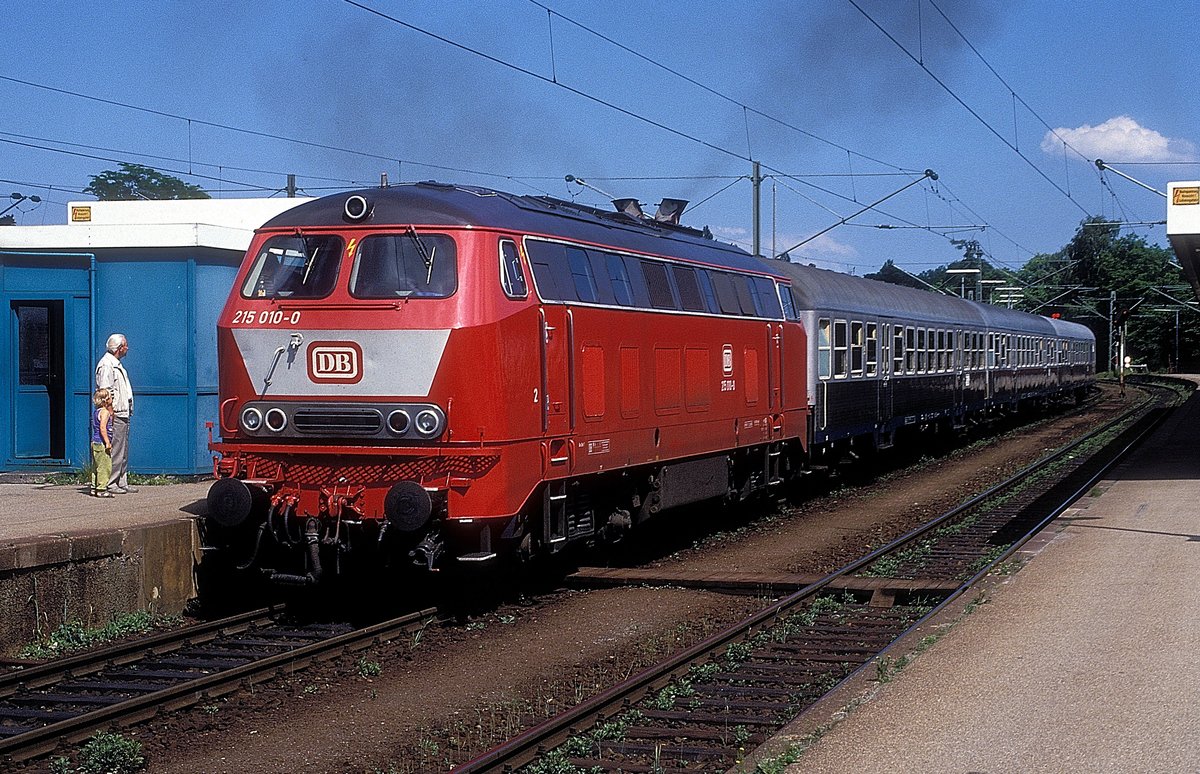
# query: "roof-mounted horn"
x,y
631,207
670,210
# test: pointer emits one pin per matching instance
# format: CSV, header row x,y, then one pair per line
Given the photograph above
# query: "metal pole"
x,y
1112,311
756,184
1177,341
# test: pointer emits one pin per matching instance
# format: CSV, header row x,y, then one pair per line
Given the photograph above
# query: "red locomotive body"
x,y
434,373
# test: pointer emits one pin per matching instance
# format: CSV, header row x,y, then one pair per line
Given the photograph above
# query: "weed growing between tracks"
x,y
73,636
106,753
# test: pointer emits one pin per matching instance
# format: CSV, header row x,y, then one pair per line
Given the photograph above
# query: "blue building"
x,y
157,271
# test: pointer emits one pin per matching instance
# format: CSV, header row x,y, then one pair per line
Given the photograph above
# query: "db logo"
x,y
337,362
727,360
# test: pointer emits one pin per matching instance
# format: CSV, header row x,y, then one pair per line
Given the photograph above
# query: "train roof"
x,y
822,290
441,204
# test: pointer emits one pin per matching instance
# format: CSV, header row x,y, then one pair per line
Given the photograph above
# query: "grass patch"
x,y
73,636
105,753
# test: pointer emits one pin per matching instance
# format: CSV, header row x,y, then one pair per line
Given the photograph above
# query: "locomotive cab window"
x,y
294,266
405,265
511,275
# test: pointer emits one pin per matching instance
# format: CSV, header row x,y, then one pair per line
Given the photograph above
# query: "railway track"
x,y
64,701
703,708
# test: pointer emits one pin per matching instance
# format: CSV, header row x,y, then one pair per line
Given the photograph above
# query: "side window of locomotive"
x,y
840,355
581,275
872,349
294,267
689,289
706,288
857,345
512,277
661,296
766,297
727,297
745,297
548,262
823,348
618,276
405,265
785,299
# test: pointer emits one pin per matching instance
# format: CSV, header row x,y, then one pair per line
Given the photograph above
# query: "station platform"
x,y
1083,661
67,556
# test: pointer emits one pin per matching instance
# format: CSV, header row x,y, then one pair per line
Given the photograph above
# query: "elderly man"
x,y
111,374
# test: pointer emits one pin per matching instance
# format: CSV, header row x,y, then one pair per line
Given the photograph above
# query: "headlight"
x,y
428,423
252,419
276,420
398,422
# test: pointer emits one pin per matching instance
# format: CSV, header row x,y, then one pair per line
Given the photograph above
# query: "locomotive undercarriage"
x,y
300,534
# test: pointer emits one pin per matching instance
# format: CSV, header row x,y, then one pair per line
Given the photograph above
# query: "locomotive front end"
x,y
335,403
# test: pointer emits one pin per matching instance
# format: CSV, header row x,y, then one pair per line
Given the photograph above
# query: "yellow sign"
x,y
81,214
1185,196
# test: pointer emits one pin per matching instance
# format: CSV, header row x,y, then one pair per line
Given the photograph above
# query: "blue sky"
x,y
821,92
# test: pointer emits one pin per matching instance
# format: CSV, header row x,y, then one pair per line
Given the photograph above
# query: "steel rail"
x,y
45,739
128,652
551,733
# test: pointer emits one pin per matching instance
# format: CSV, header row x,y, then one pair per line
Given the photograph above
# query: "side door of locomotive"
x,y
556,346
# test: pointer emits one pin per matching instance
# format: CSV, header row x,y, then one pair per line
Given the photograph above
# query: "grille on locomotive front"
x,y
356,421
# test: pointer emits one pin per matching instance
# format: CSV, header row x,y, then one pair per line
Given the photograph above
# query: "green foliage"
x,y
369,668
105,753
72,636
135,181
1078,283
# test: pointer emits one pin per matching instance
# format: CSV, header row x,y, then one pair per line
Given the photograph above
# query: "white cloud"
x,y
1119,139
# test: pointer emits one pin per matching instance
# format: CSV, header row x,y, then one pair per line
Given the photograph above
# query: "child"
x,y
102,424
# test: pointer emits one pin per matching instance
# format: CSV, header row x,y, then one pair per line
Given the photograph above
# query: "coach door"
x,y
885,375
557,369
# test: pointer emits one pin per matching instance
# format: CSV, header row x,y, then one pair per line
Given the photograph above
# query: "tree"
x,y
889,272
7,220
135,181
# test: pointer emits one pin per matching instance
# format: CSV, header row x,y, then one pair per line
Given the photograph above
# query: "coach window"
x,y
839,349
689,290
922,351
898,349
405,265
856,348
295,267
823,348
910,349
511,275
872,349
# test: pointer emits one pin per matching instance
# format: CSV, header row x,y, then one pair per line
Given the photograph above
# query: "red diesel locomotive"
x,y
444,375
433,373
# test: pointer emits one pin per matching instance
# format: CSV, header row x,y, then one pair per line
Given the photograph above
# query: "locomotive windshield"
x,y
402,265
295,266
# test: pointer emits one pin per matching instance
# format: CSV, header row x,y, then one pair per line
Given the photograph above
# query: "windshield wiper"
x,y
426,255
310,259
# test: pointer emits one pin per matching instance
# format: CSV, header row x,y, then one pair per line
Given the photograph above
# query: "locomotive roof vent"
x,y
670,210
357,208
631,207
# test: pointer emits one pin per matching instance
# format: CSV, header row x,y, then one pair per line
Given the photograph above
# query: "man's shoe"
x,y
130,489
118,490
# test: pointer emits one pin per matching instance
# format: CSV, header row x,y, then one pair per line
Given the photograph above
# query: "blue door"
x,y
39,404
